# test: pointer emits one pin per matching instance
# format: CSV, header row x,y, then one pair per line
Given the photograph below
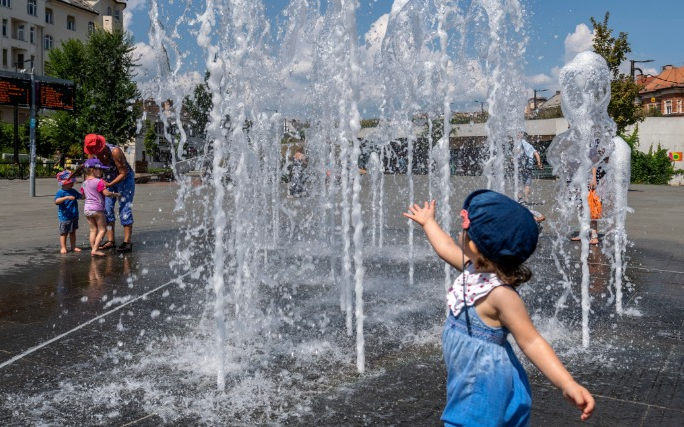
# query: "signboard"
x,y
675,156
15,92
55,96
51,93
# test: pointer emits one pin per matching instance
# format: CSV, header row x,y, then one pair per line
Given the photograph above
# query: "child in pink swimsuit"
x,y
95,191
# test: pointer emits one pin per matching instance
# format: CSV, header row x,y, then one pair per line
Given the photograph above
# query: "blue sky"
x,y
557,30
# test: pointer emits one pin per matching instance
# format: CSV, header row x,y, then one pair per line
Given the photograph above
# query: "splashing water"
x,y
297,294
589,148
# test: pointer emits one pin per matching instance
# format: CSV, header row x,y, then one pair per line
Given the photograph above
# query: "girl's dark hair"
x,y
509,271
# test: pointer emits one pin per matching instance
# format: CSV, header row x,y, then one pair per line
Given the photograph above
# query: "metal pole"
x,y
32,133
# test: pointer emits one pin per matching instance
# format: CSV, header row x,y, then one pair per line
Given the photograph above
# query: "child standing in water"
x,y
95,191
67,211
486,384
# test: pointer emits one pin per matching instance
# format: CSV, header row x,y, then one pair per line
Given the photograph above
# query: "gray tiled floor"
x,y
54,321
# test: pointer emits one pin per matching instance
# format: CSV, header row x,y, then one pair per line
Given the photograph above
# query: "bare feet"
x,y
576,238
76,249
63,251
97,253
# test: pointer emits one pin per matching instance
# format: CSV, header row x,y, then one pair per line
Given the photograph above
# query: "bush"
x,y
159,170
652,167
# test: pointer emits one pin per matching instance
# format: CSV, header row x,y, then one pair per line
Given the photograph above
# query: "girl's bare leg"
x,y
100,228
92,222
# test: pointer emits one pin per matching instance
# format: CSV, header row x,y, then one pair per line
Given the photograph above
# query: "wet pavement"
x,y
65,320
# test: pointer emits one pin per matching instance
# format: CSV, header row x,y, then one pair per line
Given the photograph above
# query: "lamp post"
x,y
534,102
632,68
32,131
481,105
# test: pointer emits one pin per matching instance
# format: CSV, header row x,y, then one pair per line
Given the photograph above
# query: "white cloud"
x,y
539,79
374,38
146,60
579,41
182,85
131,6
651,71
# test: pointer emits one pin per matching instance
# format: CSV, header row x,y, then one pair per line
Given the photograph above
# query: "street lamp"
x,y
632,68
534,102
32,131
481,105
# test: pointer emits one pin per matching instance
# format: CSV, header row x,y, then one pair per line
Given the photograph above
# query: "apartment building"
x,y
30,28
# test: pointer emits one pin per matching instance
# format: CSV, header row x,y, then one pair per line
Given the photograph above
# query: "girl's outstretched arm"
x,y
441,242
513,315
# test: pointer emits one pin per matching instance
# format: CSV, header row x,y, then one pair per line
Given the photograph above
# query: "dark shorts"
x,y
66,227
526,176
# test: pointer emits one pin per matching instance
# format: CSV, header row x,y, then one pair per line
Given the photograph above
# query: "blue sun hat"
x,y
94,163
502,229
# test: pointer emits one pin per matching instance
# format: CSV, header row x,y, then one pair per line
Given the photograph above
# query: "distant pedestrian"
x,y
527,157
67,211
297,178
95,190
486,384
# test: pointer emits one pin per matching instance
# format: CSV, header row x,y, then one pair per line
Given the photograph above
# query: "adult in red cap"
x,y
119,178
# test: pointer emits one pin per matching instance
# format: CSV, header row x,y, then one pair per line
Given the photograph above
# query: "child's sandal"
x,y
106,245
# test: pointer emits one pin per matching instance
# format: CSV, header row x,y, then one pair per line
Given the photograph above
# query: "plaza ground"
x,y
53,319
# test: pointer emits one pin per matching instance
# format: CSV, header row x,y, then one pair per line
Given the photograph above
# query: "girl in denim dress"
x,y
486,384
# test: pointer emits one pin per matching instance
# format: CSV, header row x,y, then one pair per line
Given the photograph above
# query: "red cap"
x,y
93,143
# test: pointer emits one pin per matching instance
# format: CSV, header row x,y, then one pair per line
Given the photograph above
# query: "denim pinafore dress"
x,y
486,384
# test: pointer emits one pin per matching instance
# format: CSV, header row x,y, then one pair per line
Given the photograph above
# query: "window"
x,y
6,3
117,15
32,35
47,42
20,32
71,23
679,106
32,7
4,28
20,60
109,11
91,27
49,16
4,57
668,106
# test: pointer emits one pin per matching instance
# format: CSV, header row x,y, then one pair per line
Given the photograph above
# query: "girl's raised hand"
x,y
423,214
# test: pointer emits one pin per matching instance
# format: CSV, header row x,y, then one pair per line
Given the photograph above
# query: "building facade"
x,y
30,28
663,95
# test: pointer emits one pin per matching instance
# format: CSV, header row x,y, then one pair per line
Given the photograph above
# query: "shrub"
x,y
652,167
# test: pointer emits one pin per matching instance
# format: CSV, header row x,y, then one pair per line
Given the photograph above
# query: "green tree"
x,y
151,146
623,107
102,70
199,107
64,130
7,137
110,64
